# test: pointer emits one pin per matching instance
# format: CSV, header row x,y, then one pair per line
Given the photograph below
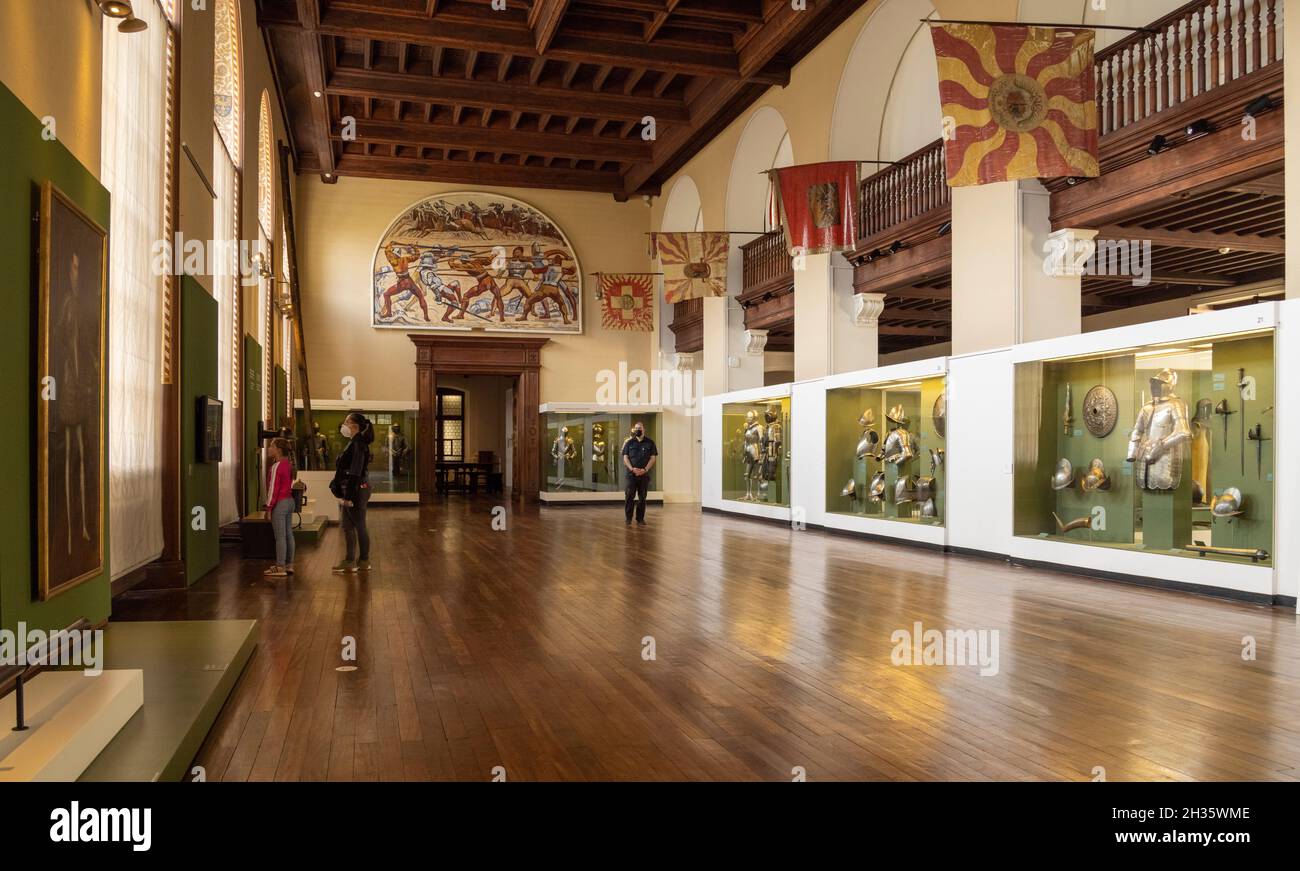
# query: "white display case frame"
x,y
810,461
589,497
711,454
980,485
318,481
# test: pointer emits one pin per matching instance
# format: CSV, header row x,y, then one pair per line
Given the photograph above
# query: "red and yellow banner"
x,y
694,264
817,205
627,301
1018,102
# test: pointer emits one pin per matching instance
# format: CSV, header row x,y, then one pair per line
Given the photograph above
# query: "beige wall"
x,y
339,226
51,60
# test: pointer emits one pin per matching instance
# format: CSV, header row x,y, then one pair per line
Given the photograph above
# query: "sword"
x,y
1223,409
1241,385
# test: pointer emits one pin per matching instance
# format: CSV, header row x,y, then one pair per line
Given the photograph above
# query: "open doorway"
x,y
473,429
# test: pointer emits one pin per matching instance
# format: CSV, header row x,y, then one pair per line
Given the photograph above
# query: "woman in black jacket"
x,y
351,486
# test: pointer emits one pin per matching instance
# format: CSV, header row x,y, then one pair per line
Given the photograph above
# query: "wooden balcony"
x,y
767,289
688,326
905,251
1210,201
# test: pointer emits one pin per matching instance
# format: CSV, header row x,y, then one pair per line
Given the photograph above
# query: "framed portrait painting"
x,y
71,410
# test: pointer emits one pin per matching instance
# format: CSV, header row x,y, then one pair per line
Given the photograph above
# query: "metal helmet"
x,y
1063,476
1095,478
850,489
1228,503
904,490
928,509
751,416
897,415
877,492
867,418
924,488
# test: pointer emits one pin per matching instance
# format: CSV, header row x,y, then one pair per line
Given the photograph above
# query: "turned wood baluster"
x,y
1216,42
1241,38
1114,92
1099,90
1126,78
1256,33
1272,31
1172,77
1198,60
1141,74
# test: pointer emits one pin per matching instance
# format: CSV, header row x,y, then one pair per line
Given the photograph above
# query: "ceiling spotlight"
x,y
1158,144
115,8
1259,105
316,93
945,228
1199,127
1225,250
132,25
1072,180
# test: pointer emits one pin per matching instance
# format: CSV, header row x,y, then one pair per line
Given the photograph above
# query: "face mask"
x,y
345,432
639,433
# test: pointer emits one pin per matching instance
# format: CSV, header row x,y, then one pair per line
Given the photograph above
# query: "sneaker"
x,y
345,567
363,565
275,572
640,523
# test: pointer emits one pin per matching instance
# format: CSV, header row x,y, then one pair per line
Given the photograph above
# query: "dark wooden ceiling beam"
x,y
659,19
313,64
544,17
527,98
920,292
513,141
1195,239
502,31
895,315
467,172
894,330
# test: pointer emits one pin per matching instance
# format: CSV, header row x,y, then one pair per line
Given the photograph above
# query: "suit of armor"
x,y
1159,442
562,449
898,446
753,436
772,444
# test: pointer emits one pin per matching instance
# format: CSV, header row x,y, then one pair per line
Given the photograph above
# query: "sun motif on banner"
x,y
1018,102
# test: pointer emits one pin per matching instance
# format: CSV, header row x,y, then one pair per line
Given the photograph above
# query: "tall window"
x,y
451,425
134,170
226,98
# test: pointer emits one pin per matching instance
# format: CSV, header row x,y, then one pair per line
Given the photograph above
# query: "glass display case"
x,y
1161,448
582,451
756,451
885,451
393,454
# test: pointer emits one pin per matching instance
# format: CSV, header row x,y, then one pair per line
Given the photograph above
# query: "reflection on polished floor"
x,y
527,649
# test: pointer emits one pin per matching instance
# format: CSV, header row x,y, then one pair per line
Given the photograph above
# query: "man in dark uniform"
x,y
639,456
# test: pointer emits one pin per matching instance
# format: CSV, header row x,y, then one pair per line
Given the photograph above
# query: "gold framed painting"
x,y
72,358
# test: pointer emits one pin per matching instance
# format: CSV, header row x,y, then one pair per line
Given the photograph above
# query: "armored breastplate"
x,y
898,446
1158,444
754,442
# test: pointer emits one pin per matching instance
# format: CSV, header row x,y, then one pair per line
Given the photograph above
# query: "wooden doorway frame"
x,y
520,357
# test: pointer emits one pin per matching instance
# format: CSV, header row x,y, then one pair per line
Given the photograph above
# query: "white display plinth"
x,y
72,716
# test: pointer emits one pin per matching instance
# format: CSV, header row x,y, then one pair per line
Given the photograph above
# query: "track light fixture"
x,y
1260,105
115,8
945,228
1198,128
1072,180
896,246
1158,144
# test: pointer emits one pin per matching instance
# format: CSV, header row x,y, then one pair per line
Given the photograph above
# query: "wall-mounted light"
x,y
132,25
115,8
945,228
895,246
1158,144
1259,105
1198,128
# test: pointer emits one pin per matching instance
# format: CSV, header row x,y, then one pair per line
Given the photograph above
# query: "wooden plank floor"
x,y
523,649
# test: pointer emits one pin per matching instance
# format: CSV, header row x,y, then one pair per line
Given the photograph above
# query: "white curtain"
x,y
133,170
226,183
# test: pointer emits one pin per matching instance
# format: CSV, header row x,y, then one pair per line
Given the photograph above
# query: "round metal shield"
x,y
940,415
1100,410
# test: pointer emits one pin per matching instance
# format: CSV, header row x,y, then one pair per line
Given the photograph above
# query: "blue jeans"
x,y
282,524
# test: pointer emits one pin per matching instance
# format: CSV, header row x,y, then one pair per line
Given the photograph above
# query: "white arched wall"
x,y
764,144
682,211
887,104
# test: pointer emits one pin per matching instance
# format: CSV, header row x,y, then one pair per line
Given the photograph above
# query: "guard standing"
x,y
639,456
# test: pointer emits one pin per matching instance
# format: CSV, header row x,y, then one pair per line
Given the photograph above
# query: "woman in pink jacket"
x,y
279,504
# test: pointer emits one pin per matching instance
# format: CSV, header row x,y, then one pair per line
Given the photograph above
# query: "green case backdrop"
x,y
200,486
29,160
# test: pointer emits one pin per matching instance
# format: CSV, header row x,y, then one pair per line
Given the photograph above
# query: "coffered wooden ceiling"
x,y
542,94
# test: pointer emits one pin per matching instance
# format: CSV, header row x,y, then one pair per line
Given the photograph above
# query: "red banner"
x,y
627,301
1018,102
818,206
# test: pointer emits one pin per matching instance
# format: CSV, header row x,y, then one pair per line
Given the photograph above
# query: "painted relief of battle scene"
x,y
471,260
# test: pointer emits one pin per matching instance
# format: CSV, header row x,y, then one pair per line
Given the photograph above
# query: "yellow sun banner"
x,y
1018,102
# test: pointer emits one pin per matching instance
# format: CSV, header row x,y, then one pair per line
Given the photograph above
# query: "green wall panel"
x,y
200,485
29,160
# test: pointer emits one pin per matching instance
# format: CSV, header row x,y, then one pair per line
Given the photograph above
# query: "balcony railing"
x,y
1194,49
908,189
765,260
